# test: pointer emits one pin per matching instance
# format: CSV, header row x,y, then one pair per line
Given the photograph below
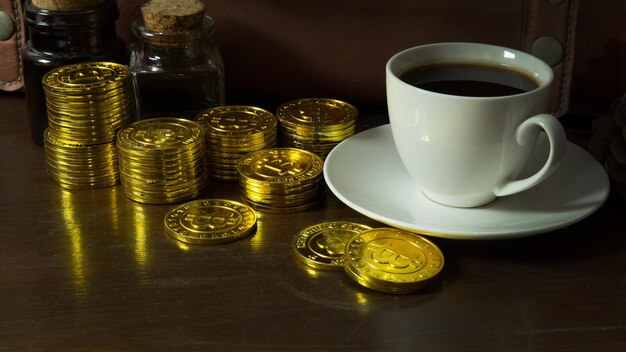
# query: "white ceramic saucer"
x,y
365,172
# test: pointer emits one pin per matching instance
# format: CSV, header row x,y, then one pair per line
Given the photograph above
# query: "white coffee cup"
x,y
465,151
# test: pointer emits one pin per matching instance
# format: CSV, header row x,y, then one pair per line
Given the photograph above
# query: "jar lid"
x,y
104,14
204,31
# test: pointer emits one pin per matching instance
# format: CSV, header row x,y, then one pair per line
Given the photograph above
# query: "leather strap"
x,y
549,34
11,70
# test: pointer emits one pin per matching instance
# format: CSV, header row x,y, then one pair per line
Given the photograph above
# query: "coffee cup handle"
x,y
558,144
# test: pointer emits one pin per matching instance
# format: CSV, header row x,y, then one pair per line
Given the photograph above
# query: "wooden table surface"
x,y
91,270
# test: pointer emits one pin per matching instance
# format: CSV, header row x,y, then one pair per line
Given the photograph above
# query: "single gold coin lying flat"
x,y
322,246
210,221
392,260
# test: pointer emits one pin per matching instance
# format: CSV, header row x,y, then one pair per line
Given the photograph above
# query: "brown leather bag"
x,y
11,44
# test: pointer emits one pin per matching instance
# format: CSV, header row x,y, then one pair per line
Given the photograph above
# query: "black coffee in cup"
x,y
471,79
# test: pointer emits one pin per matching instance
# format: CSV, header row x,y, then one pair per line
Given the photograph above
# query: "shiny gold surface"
x,y
392,260
315,125
162,160
210,221
281,179
87,103
317,113
232,131
322,246
86,78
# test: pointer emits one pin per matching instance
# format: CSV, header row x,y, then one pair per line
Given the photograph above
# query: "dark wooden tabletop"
x,y
91,270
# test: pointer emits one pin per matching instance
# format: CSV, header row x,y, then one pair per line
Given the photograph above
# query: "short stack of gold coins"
x,y
87,104
281,180
162,160
315,124
233,131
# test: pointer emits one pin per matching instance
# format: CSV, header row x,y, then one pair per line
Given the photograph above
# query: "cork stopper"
x,y
67,5
169,16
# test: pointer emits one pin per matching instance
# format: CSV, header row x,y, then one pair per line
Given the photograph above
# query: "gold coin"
x,y
210,221
280,210
392,260
123,97
160,134
141,197
322,246
86,78
281,166
317,113
284,199
315,137
236,120
264,189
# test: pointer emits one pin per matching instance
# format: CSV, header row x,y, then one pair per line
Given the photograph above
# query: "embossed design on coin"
x,y
86,78
160,133
322,246
210,221
281,165
392,260
317,112
236,120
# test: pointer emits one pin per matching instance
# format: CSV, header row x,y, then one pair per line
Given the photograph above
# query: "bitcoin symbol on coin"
x,y
385,254
332,243
281,167
159,135
86,75
201,219
395,255
231,123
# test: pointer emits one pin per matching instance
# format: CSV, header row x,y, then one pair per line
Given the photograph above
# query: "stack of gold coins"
x,y
162,160
79,166
231,133
281,179
87,104
210,221
322,246
392,260
316,125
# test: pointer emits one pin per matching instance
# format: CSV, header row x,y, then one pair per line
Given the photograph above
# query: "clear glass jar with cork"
x,y
177,67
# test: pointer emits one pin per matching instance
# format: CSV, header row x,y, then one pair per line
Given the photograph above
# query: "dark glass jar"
x,y
176,74
59,38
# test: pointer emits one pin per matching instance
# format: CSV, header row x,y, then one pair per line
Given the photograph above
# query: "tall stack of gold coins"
x,y
232,132
280,180
316,125
162,160
87,104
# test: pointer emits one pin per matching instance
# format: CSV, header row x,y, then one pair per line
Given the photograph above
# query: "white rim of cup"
x,y
540,70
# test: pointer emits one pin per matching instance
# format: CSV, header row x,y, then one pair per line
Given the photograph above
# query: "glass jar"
x,y
176,74
59,38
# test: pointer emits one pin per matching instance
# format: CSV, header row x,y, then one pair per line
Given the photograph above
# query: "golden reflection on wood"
x,y
140,224
74,232
257,239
